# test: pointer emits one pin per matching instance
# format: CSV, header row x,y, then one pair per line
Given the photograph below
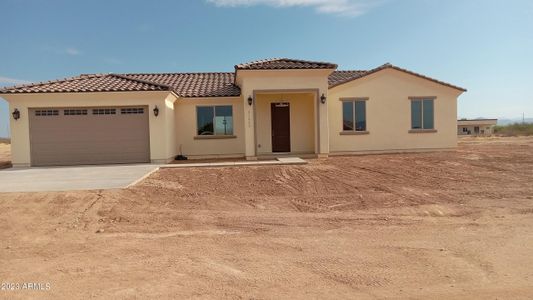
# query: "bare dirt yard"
x,y
5,154
435,225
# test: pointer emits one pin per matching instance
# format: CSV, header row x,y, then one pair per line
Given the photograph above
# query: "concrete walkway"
x,y
278,161
47,179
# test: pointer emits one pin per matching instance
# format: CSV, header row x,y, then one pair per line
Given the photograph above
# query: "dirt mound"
x,y
427,225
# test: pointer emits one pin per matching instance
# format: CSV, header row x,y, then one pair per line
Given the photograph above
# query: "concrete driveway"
x,y
72,178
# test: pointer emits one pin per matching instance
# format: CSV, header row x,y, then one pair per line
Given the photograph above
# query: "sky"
x,y
482,45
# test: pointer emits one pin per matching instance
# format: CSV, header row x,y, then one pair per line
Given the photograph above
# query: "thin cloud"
x,y
8,80
350,8
72,51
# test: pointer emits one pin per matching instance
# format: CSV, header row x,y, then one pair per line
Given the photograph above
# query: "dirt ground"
x,y
5,155
436,225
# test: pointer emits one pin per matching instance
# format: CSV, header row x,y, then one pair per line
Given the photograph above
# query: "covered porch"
x,y
285,107
285,123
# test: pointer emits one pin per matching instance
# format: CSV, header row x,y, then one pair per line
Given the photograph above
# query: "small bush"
x,y
515,129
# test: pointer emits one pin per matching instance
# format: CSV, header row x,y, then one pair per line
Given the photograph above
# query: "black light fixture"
x,y
156,111
16,114
250,100
323,99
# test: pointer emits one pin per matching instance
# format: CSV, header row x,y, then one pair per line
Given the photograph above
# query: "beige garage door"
x,y
99,135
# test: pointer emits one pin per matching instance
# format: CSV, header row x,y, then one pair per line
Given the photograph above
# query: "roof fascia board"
x,y
18,95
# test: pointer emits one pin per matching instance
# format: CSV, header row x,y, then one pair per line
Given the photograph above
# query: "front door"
x,y
281,127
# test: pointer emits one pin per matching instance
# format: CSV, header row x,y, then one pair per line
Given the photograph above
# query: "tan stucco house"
x,y
476,127
263,108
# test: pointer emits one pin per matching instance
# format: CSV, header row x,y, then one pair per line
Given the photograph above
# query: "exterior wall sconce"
x,y
250,100
16,114
156,111
323,99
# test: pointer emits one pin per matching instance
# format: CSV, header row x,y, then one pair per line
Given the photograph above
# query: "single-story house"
x,y
476,127
264,108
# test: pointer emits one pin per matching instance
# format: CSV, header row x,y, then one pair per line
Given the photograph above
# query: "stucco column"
x,y
20,136
249,125
323,123
162,131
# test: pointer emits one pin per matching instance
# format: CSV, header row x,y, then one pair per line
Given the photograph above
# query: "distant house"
x,y
262,108
476,127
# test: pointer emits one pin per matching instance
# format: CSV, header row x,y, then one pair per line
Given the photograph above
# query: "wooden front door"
x,y
281,127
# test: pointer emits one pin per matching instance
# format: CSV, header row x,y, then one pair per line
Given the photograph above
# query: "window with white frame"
x,y
354,114
422,113
214,120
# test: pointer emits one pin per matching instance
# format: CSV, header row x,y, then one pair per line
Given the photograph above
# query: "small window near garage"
x,y
422,114
104,111
132,110
465,129
75,112
47,112
354,115
214,120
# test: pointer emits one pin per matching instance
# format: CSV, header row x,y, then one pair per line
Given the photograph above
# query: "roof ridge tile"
x,y
141,81
284,63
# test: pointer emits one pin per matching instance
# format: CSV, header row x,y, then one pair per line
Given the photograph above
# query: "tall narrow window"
x,y
347,115
214,120
427,113
422,114
354,115
360,115
223,120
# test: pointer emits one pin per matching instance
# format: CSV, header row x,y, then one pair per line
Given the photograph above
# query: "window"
x,y
75,112
422,114
132,110
354,115
104,111
214,120
47,112
465,129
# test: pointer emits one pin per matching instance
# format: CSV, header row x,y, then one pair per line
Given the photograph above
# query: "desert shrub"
x,y
514,129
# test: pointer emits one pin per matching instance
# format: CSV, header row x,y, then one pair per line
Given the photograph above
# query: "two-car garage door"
x,y
99,135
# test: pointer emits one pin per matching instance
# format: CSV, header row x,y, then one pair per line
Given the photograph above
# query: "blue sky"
x,y
484,46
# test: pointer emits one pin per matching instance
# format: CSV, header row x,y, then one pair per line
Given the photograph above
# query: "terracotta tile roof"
x,y
354,76
284,63
183,84
191,84
194,84
85,83
340,77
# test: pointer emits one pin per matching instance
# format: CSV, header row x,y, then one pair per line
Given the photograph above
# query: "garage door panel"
x,y
92,158
118,148
88,139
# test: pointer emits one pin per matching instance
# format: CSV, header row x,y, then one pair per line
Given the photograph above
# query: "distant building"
x,y
476,127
